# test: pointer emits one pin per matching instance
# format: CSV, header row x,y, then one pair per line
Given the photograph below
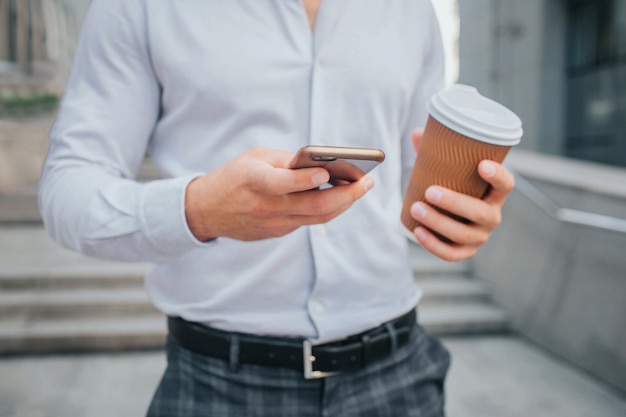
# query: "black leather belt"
x,y
315,360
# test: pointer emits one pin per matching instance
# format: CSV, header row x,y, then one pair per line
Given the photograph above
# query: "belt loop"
x,y
234,353
365,341
393,336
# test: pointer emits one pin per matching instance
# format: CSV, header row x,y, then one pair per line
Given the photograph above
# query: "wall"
x,y
565,285
513,52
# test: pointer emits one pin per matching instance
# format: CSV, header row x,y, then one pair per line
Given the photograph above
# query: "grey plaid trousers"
x,y
408,383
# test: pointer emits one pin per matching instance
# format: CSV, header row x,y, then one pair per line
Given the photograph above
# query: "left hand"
x,y
484,215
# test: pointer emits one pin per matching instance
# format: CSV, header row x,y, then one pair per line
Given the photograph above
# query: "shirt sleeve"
x,y
430,80
88,196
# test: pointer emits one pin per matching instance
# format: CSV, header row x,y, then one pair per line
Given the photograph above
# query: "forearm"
x,y
91,211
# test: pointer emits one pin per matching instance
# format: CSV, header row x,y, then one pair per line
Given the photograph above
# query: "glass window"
x,y
582,37
619,16
596,81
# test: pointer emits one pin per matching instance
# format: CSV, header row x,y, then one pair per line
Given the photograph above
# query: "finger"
x,y
309,215
266,179
320,214
323,202
416,137
446,251
267,172
458,232
501,180
297,220
475,210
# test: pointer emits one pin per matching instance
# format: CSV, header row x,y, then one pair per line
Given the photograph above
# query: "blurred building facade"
x,y
561,64
37,41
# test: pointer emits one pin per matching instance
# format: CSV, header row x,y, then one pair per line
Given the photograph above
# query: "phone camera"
x,y
321,158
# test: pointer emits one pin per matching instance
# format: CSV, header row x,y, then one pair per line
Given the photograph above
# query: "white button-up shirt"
x,y
194,83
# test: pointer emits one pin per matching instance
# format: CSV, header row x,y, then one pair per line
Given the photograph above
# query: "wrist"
x,y
194,212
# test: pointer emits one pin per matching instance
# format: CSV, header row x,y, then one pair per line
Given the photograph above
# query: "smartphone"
x,y
343,164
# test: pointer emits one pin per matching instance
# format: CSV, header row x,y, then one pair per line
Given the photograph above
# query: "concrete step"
x,y
452,288
53,320
20,336
30,259
425,264
464,318
54,300
83,279
454,302
19,208
82,303
148,331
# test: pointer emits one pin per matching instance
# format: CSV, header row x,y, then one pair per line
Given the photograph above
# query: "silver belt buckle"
x,y
309,361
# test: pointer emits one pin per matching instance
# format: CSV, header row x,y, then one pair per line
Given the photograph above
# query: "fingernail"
x,y
320,178
368,183
489,169
419,210
421,235
434,194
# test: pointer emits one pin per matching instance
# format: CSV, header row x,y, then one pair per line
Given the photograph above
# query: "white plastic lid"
x,y
463,109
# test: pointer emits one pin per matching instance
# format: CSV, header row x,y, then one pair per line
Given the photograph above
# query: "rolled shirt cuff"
x,y
162,216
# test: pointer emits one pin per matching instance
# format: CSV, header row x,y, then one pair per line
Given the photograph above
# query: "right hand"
x,y
254,196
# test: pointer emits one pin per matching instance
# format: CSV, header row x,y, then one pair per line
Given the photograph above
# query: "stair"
x,y
92,312
454,302
19,207
54,300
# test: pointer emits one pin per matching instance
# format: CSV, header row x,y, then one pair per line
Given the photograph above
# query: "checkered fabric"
x,y
408,383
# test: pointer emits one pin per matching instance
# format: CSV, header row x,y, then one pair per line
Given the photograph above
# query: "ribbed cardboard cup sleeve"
x,y
448,159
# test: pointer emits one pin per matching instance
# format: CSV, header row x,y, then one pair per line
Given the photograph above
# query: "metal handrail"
x,y
566,215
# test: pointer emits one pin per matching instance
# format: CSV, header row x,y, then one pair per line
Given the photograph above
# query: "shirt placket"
x,y
320,299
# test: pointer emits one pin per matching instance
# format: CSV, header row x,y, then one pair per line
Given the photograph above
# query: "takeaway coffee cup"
x,y
463,128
